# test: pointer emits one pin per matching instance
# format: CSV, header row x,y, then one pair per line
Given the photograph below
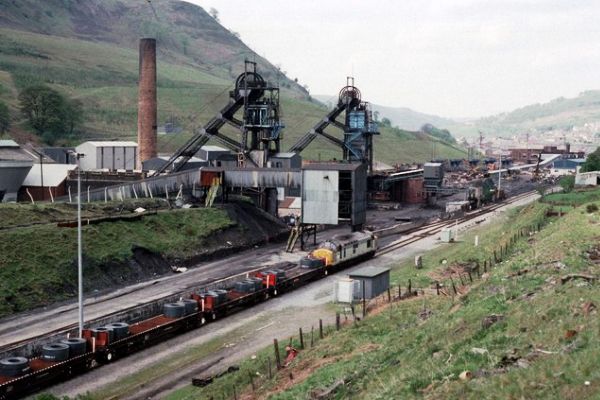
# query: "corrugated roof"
x,y
332,166
211,147
8,143
54,174
111,143
284,155
368,272
14,154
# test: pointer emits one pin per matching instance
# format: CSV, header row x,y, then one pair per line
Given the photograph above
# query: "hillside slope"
x,y
88,50
560,113
525,327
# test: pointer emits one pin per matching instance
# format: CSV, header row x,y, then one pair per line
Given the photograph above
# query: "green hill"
x,y
88,50
560,113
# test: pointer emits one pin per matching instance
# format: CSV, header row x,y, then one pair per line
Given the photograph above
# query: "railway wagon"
x,y
58,362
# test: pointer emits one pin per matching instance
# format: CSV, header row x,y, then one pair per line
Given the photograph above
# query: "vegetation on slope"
x,y
544,345
39,262
561,113
88,52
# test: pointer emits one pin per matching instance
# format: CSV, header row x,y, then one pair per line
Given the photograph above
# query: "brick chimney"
x,y
147,102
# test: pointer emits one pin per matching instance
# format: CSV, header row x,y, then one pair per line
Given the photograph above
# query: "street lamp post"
x,y
79,245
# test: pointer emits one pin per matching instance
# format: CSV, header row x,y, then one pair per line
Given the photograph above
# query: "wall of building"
x,y
43,193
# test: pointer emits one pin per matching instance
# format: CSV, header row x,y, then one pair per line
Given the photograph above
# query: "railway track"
x,y
419,233
414,234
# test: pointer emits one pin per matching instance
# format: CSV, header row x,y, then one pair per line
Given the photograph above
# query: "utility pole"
x,y
79,245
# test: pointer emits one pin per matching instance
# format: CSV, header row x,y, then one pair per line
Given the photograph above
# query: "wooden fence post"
x,y
409,288
312,336
389,296
437,288
320,328
269,366
484,266
337,321
277,359
470,277
453,286
301,338
364,300
252,381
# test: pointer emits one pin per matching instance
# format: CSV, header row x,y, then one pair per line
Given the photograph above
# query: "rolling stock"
x,y
59,362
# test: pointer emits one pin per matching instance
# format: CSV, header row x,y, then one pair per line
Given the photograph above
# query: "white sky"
x,y
455,58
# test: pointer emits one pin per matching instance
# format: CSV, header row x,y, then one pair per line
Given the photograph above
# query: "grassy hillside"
x,y
43,257
542,344
559,113
88,50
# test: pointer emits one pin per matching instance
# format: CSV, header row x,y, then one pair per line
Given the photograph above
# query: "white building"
x,y
591,178
111,155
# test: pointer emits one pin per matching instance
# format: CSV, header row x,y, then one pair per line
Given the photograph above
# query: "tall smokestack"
x,y
147,102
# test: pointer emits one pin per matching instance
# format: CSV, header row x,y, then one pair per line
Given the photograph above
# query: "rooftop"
x,y
211,147
368,272
8,143
54,174
111,143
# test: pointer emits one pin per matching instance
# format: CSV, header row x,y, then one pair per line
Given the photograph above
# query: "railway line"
x,y
297,278
412,235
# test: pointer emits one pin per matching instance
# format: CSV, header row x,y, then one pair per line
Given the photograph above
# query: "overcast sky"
x,y
455,58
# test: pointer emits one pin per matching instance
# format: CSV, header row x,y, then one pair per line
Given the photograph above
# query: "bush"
x,y
567,183
590,208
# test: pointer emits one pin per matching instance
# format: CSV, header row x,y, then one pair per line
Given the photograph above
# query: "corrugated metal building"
x,y
61,155
111,155
334,192
286,160
565,166
45,179
15,164
374,280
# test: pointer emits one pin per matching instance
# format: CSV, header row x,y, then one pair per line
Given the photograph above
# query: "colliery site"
x,y
239,267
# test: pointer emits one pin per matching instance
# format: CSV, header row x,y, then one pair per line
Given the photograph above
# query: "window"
x,y
354,247
369,243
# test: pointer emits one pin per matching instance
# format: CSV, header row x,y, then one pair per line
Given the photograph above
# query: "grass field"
x,y
546,346
39,262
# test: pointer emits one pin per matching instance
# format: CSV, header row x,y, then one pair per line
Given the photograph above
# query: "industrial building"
x,y
60,155
565,166
528,155
15,164
332,193
109,155
45,182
